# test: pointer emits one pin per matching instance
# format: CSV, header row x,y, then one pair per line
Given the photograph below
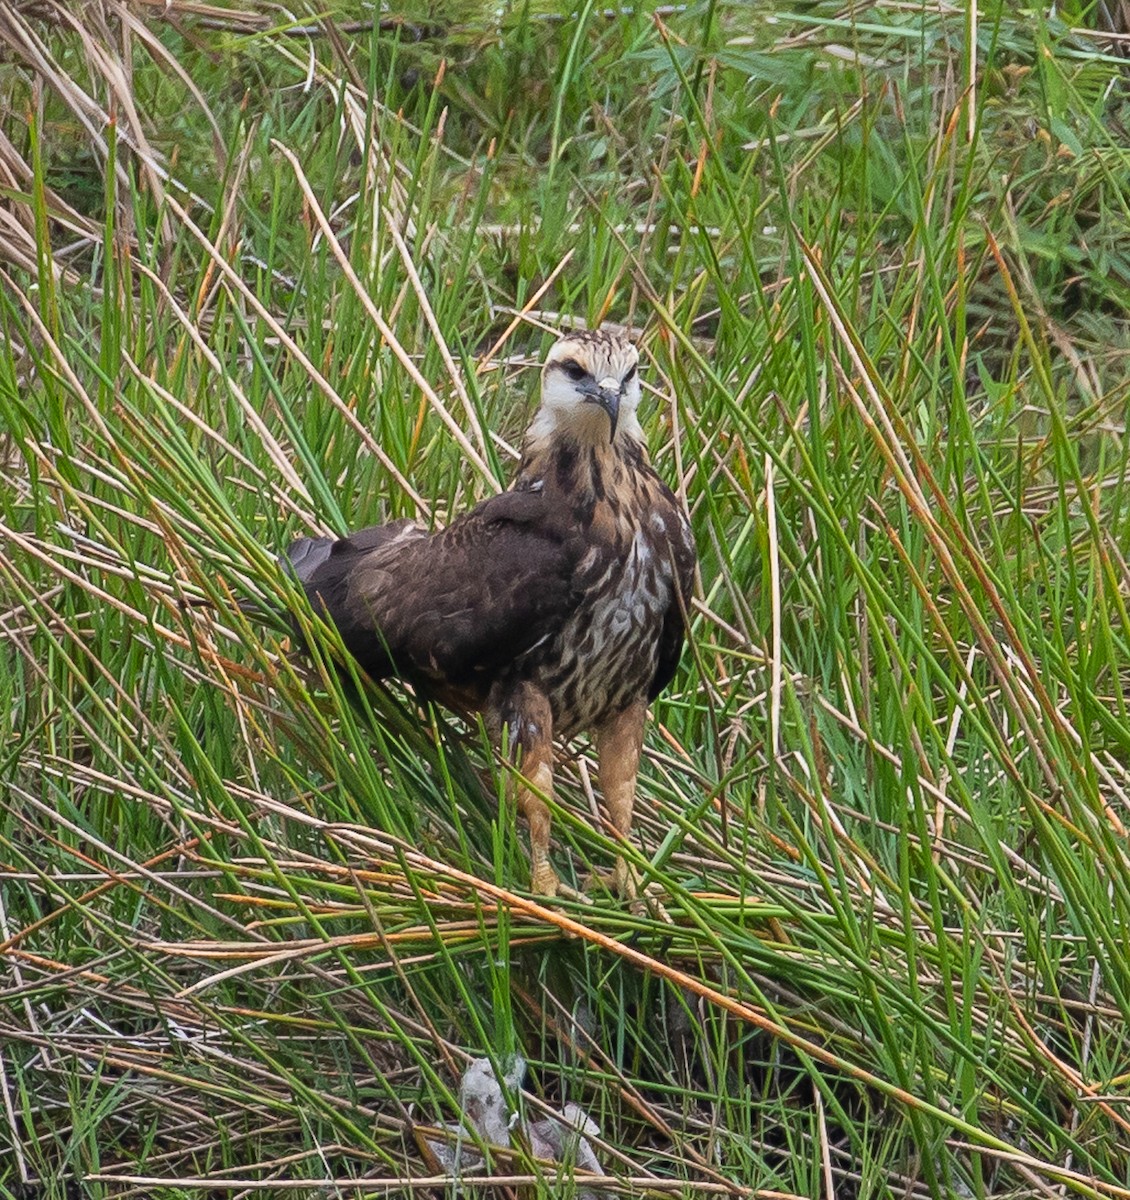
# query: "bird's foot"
x,y
565,892
620,881
545,883
623,881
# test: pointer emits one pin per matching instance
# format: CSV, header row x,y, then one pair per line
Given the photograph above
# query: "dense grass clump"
x,y
265,273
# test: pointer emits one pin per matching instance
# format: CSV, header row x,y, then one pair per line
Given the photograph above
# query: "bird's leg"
x,y
527,713
618,744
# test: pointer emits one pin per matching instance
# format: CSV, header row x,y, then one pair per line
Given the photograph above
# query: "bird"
x,y
556,607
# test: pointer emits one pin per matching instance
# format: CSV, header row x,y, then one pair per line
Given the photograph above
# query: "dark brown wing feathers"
x,y
454,608
577,581
680,546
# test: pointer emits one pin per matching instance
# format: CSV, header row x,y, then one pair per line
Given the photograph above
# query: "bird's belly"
x,y
606,655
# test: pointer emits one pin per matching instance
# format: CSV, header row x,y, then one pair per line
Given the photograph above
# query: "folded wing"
x,y
455,609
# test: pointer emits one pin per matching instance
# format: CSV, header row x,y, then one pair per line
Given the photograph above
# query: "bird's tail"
x,y
305,555
302,558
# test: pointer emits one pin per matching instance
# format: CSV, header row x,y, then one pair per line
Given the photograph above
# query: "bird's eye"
x,y
574,370
630,375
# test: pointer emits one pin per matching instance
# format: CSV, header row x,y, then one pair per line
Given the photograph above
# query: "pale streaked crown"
x,y
578,367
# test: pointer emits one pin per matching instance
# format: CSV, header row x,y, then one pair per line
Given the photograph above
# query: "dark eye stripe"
x,y
573,369
630,375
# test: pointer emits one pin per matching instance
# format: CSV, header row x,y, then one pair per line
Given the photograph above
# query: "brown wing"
x,y
680,546
455,609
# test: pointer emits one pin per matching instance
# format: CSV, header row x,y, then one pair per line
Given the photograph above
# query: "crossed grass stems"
x,y
884,802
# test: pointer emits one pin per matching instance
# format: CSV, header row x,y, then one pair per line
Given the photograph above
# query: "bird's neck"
x,y
581,475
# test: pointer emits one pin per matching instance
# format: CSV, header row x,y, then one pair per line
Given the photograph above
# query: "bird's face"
x,y
590,389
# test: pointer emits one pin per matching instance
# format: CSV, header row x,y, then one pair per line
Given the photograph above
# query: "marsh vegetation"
x,y
266,273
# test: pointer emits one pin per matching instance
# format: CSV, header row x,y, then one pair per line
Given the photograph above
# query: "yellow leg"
x,y
527,713
543,878
618,745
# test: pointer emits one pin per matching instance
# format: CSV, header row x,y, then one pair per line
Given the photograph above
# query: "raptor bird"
x,y
554,608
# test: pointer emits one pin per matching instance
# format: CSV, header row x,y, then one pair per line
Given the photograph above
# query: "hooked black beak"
x,y
609,399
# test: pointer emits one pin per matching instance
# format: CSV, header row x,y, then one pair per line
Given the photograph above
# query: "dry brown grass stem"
x,y
470,453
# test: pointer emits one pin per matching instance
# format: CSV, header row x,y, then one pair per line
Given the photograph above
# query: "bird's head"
x,y
590,390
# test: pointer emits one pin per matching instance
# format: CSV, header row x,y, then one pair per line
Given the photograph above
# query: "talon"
x,y
545,883
565,892
620,881
623,881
